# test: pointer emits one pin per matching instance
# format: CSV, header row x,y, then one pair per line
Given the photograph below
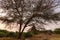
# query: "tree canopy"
x,y
27,12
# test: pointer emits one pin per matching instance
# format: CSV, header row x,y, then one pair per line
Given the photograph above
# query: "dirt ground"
x,y
45,37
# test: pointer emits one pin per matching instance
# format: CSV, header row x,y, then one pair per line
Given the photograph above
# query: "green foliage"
x,y
31,33
28,34
4,33
57,31
35,32
12,34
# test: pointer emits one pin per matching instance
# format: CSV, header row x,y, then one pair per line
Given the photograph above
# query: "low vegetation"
x,y
30,35
4,33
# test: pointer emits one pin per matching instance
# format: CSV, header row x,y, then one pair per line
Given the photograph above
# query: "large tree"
x,y
27,12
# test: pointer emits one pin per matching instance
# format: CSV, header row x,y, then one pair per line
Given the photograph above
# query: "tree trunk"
x,y
20,35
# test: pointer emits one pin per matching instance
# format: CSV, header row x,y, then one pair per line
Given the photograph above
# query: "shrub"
x,y
57,31
28,34
4,33
12,34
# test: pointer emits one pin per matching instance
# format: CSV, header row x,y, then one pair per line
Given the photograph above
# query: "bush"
x,y
4,33
28,34
12,34
57,31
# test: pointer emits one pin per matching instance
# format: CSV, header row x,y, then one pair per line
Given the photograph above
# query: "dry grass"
x,y
45,37
7,38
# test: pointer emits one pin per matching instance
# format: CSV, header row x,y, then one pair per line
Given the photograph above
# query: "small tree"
x,y
25,12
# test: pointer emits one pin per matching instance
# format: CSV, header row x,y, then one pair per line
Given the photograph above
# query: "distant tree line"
x,y
5,33
57,31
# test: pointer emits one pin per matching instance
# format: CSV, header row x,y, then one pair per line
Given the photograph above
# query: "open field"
x,y
45,37
38,37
